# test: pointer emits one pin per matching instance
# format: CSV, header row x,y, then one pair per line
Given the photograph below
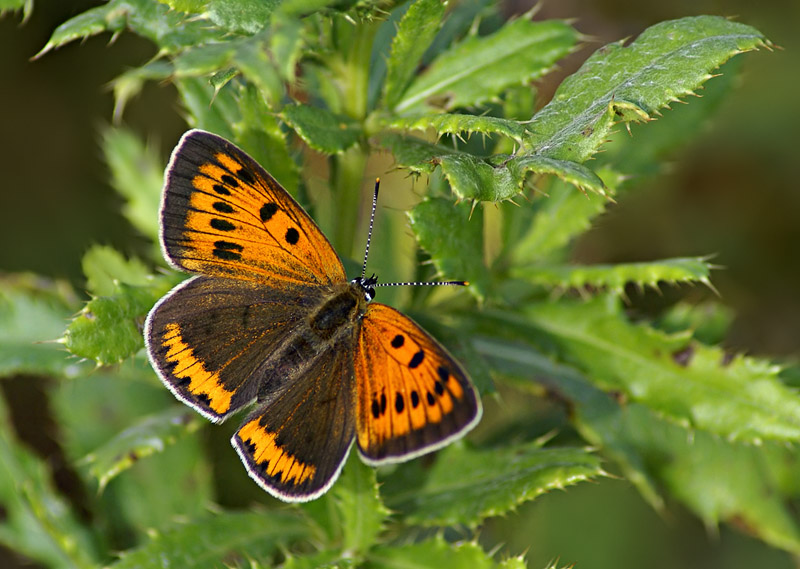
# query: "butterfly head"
x,y
367,285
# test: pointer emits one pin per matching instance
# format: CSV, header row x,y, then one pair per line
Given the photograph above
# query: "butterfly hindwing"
x,y
222,214
295,443
413,397
210,338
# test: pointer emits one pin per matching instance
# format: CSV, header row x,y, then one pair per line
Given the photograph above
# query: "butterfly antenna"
x,y
366,254
371,223
425,283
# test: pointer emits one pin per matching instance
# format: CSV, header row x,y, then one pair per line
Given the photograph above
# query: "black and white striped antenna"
x,y
370,283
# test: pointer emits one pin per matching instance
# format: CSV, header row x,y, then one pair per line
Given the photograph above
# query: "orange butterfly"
x,y
271,317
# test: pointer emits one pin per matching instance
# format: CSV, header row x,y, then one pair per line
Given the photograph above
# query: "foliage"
x,y
348,80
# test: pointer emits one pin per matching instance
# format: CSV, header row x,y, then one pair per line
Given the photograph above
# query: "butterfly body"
x,y
271,318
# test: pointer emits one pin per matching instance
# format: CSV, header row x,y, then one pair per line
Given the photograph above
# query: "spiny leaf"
x,y
33,311
130,83
210,541
327,559
453,236
645,150
137,173
321,129
12,5
168,29
502,177
562,214
260,133
480,68
105,266
615,277
709,321
415,31
738,398
413,153
452,123
434,552
196,94
571,172
147,436
109,328
466,486
248,16
352,511
96,409
667,61
655,454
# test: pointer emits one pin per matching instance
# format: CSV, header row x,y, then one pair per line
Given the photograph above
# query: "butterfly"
x,y
270,317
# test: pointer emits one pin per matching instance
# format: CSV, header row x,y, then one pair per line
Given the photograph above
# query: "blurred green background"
x,y
731,193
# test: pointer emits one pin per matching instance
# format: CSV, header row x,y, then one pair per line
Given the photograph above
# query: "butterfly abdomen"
x,y
331,326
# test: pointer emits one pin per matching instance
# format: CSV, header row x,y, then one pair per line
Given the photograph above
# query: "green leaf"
x,y
453,123
492,179
475,178
415,31
32,315
645,150
104,267
480,68
615,277
169,30
320,560
84,25
453,236
535,235
260,134
466,486
37,521
321,129
435,552
214,112
190,6
130,83
286,44
211,541
654,452
95,409
241,15
737,398
12,5
261,68
109,328
709,321
413,153
149,435
360,512
667,61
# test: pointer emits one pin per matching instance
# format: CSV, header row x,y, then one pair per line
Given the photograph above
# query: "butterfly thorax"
x,y
340,309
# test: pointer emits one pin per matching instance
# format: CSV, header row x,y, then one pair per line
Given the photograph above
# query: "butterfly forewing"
x,y
413,397
222,214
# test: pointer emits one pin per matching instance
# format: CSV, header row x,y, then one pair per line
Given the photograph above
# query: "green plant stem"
x,y
347,173
351,75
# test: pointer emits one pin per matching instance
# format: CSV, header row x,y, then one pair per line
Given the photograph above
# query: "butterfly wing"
x,y
295,444
222,214
413,397
210,338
